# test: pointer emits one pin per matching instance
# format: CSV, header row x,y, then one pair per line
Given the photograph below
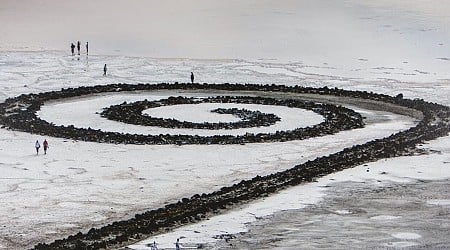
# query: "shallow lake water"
x,y
359,216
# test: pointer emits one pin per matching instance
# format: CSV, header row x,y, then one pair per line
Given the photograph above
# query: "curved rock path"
x,y
434,123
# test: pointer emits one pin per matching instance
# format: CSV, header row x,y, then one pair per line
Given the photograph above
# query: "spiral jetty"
x,y
434,123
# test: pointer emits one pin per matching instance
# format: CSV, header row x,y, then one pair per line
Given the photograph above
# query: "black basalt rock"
x,y
20,114
435,122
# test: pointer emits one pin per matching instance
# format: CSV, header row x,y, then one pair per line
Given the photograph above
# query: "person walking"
x,y
72,47
45,144
177,244
78,47
192,77
104,70
153,246
37,146
87,48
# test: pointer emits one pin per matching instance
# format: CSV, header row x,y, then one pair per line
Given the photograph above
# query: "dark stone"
x,y
18,113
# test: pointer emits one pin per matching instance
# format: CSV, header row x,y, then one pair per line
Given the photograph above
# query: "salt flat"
x,y
387,47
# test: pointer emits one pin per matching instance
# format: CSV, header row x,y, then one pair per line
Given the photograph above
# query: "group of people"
x,y
154,247
37,145
78,46
72,47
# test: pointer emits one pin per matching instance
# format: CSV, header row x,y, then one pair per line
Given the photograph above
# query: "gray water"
x,y
359,216
348,32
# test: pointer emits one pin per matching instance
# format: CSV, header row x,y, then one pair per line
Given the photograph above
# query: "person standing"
x,y
154,247
37,146
87,48
104,70
72,47
192,77
45,144
78,47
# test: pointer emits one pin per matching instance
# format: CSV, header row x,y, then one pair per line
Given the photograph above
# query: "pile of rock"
x,y
131,113
20,114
